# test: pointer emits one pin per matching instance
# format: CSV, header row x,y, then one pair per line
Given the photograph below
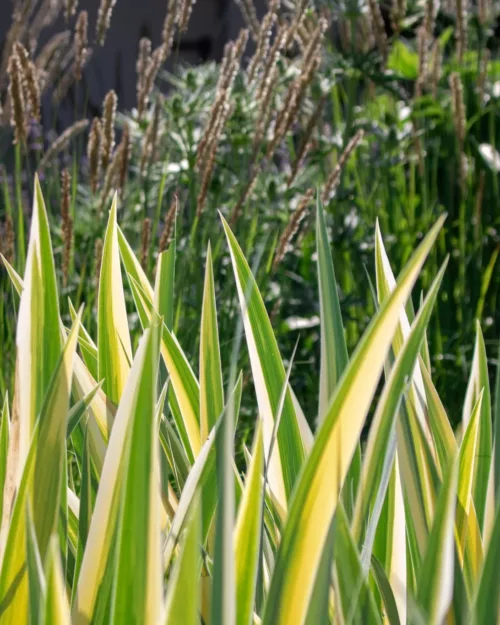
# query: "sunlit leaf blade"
x,y
268,376
316,494
383,424
78,410
334,356
467,461
444,439
14,597
100,411
211,386
435,587
479,381
101,537
183,596
186,411
38,339
51,447
164,285
137,587
17,281
113,339
88,347
385,284
247,534
56,611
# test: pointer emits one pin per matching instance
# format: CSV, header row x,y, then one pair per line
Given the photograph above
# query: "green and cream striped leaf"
x,y
97,559
56,609
385,284
435,587
164,285
186,406
137,589
334,356
100,411
183,594
354,597
479,382
36,576
211,385
467,461
14,594
268,376
50,458
247,534
113,338
38,339
316,494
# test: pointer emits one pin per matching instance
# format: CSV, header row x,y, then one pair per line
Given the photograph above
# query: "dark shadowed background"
x,y
213,22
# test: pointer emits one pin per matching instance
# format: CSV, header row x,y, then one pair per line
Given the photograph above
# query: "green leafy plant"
x,y
122,499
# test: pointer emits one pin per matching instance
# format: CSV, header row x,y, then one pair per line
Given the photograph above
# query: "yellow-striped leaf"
x,y
268,376
316,494
113,339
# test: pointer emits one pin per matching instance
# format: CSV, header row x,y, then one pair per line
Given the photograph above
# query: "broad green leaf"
x,y
316,494
183,596
268,376
51,447
137,590
402,61
56,610
113,339
211,385
479,381
247,534
435,588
